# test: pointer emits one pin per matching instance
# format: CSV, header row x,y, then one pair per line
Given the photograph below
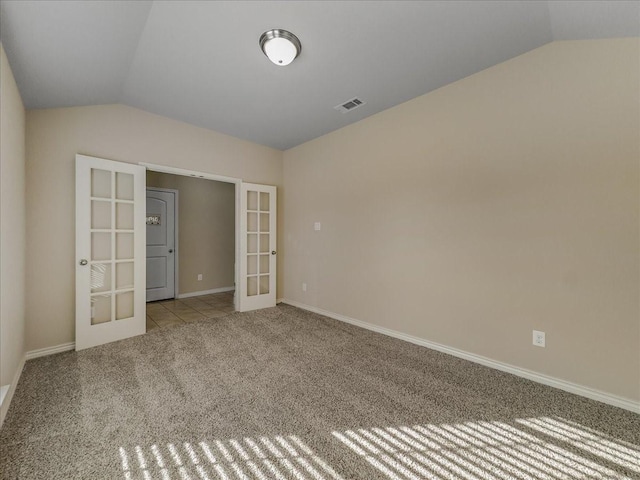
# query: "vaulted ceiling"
x,y
200,62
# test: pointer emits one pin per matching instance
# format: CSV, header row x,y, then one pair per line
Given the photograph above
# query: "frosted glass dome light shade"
x,y
280,46
280,51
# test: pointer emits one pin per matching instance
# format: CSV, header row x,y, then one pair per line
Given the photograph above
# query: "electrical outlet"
x,y
317,226
199,277
538,338
304,287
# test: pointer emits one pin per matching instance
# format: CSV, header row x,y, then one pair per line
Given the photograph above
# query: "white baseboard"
x,y
9,390
43,352
581,390
279,300
7,393
205,292
4,389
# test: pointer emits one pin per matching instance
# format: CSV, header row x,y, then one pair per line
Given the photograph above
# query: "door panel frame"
x,y
88,335
258,300
218,178
176,248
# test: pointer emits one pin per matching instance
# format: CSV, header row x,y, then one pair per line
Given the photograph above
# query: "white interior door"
x,y
257,246
161,244
110,251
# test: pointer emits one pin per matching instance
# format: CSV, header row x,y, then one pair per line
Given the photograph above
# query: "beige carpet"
x,y
286,394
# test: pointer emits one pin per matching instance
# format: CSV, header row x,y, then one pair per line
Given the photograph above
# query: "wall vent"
x,y
349,105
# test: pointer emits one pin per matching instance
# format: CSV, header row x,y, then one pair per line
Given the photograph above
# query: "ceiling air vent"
x,y
349,105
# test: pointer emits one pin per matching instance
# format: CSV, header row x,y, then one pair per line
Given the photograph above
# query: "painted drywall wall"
x,y
12,229
116,132
206,230
470,216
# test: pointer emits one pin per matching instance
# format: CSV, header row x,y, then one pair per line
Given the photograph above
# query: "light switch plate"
x,y
317,226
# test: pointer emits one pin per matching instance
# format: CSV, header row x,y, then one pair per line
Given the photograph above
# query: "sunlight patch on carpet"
x,y
617,452
544,448
280,457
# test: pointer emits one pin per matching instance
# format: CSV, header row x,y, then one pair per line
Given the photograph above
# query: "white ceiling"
x,y
200,61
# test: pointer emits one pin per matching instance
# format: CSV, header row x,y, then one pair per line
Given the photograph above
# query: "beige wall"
x,y
116,132
503,203
12,227
206,230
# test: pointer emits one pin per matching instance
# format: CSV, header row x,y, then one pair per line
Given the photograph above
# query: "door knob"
x,y
171,250
273,252
83,262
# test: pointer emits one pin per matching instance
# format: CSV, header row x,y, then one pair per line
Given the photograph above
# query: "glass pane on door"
x,y
252,200
100,309
264,222
252,243
124,246
100,214
100,277
264,201
252,286
252,264
124,305
264,243
100,246
124,186
124,216
264,284
100,183
124,275
264,264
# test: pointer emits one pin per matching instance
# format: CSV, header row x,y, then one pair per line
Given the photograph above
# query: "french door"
x,y
257,246
110,251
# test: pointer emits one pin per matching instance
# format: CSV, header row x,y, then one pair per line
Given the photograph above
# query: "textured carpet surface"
x,y
287,394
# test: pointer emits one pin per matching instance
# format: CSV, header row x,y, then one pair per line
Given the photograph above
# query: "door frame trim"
x,y
176,248
218,178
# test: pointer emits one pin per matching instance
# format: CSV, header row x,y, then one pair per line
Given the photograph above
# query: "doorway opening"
x,y
192,255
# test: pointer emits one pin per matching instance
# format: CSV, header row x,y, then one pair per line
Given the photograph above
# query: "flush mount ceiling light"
x,y
280,46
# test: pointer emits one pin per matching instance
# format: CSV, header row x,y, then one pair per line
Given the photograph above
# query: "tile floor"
x,y
167,313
